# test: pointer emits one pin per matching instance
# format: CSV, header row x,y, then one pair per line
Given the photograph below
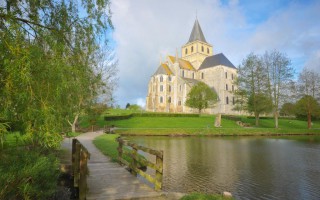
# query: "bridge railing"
x,y
80,156
132,152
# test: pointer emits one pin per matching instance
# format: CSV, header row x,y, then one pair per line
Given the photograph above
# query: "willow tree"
x,y
48,62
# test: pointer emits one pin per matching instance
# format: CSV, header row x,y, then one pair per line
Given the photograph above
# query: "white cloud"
x,y
145,29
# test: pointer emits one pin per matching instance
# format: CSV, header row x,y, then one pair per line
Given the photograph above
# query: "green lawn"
x,y
200,196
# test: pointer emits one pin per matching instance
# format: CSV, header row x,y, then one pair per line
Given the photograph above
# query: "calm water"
x,y
248,167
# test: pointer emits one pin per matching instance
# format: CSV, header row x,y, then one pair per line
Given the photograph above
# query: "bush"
x,y
27,175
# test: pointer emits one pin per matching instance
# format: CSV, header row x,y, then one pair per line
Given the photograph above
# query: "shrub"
x,y
122,117
26,174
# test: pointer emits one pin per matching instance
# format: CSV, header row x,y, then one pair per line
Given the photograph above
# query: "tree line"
x,y
266,85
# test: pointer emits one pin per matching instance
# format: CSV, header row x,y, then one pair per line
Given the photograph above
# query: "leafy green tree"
x,y
128,105
201,96
135,107
49,63
309,107
259,103
287,109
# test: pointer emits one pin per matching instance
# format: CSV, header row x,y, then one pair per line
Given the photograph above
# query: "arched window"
x,y
227,100
182,73
169,99
233,100
180,88
161,88
202,75
208,51
169,78
186,51
191,49
232,88
202,49
161,99
232,76
226,74
193,75
226,86
169,88
161,78
179,102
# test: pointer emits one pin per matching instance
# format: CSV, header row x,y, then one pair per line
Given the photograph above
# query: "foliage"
x,y
51,63
128,116
3,132
309,107
27,175
287,109
135,107
259,103
201,196
128,105
309,83
201,96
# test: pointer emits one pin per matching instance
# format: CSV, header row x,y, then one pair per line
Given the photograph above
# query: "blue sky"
x,y
146,30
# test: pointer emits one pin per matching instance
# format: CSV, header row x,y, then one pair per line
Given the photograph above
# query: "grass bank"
x,y
204,125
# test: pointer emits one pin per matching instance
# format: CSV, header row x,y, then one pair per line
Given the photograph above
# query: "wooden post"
x,y
76,172
134,161
159,173
83,175
120,150
74,141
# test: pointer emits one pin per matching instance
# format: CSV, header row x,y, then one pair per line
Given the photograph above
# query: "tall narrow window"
x,y
161,78
186,51
169,78
202,49
169,88
193,75
161,99
208,51
233,100
226,74
169,99
202,75
191,49
232,88
226,86
180,88
161,88
227,100
179,102
232,76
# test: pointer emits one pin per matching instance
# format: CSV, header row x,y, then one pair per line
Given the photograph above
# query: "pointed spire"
x,y
196,33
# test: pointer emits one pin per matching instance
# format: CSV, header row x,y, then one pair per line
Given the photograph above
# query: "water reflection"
x,y
250,168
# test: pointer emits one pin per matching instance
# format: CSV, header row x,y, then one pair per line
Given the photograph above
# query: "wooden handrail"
x,y
80,156
133,153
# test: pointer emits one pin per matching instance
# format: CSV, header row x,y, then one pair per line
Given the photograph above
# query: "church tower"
x,y
197,48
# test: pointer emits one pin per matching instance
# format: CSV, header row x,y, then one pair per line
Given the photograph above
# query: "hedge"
x,y
122,117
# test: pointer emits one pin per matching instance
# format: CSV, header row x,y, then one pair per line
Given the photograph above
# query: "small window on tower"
x,y
191,49
161,78
161,88
193,75
186,51
208,51
202,49
226,74
202,75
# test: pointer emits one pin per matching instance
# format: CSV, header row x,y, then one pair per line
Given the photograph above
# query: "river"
x,y
248,167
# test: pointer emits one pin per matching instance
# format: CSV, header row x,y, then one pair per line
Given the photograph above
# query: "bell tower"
x,y
197,48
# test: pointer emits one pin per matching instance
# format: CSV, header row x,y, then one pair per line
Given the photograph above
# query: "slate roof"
x,y
163,69
215,60
196,33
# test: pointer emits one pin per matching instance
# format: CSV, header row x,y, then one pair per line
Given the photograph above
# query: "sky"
x,y
146,31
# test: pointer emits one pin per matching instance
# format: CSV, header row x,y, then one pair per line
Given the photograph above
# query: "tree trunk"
x,y
276,119
257,118
73,124
309,120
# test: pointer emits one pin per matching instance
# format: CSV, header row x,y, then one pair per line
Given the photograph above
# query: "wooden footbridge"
x,y
109,180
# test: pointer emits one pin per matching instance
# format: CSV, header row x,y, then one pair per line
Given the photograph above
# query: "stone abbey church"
x,y
170,84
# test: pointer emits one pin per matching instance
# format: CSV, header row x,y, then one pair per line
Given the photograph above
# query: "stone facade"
x,y
170,84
